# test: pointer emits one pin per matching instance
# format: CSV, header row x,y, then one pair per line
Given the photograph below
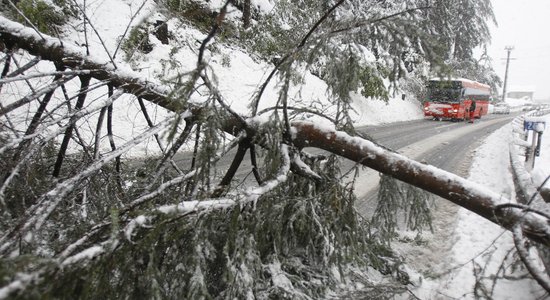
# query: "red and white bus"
x,y
451,99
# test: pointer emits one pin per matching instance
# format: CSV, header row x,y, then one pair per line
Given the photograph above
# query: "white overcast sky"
x,y
524,24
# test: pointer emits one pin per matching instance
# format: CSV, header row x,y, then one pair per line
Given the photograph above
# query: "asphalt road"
x,y
443,144
399,135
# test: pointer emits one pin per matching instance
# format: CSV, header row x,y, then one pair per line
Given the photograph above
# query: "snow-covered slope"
x,y
237,73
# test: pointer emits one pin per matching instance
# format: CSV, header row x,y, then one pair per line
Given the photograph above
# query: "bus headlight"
x,y
455,110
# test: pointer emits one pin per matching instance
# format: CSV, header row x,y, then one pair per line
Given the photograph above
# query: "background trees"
x,y
76,209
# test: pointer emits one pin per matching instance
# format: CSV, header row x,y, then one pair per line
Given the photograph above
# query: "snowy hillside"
x,y
238,74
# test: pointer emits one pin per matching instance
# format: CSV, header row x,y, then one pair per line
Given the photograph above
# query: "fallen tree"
x,y
444,184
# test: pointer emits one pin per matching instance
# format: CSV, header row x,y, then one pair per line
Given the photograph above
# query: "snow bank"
x,y
482,245
374,111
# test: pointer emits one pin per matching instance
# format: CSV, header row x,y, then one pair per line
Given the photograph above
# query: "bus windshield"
x,y
444,91
448,94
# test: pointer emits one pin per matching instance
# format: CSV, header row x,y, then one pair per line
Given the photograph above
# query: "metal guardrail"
x,y
522,176
528,194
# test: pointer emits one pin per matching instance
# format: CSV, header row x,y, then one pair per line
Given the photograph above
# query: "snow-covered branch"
x,y
46,204
540,276
447,185
30,76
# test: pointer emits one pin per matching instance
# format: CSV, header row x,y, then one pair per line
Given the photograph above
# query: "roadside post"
x,y
537,126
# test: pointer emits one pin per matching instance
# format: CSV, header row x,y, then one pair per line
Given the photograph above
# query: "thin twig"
x,y
26,19
98,131
539,188
256,103
86,42
97,33
213,31
30,76
298,110
541,278
127,27
522,207
157,138
85,81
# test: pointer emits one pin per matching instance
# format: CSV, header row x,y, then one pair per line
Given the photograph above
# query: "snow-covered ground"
x,y
482,246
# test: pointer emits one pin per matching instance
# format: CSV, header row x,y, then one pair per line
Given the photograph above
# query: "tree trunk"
x,y
246,14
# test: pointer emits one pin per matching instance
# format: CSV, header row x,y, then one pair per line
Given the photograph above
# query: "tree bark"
x,y
246,13
69,132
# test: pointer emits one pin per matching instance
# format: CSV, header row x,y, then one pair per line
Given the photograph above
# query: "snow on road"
x,y
479,246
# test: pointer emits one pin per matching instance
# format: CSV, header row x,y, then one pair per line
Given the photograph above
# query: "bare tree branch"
x,y
57,74
29,98
542,279
232,170
98,131
85,81
254,164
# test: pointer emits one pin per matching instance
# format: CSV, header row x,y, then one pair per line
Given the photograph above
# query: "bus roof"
x,y
467,83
